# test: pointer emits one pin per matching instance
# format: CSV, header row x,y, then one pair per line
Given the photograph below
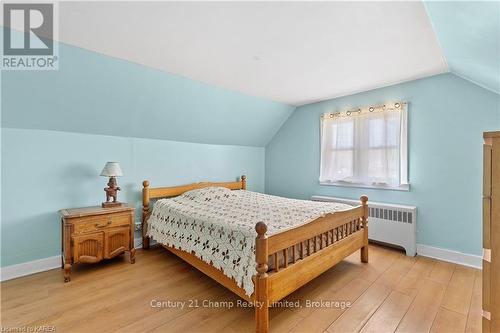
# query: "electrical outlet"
x,y
138,227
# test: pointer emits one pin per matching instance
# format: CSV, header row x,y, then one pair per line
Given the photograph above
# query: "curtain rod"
x,y
393,106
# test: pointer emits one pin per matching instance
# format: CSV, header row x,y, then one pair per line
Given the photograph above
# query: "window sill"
x,y
404,188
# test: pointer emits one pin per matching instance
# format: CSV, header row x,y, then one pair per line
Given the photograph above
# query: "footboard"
x,y
299,255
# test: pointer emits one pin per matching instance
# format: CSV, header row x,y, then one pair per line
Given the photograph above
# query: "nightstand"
x,y
91,234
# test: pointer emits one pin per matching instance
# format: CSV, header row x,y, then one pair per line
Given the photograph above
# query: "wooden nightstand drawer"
x,y
102,222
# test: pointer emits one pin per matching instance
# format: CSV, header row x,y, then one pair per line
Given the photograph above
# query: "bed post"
x,y
261,296
364,222
243,182
145,214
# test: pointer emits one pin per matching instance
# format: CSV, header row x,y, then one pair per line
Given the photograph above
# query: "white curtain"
x,y
365,147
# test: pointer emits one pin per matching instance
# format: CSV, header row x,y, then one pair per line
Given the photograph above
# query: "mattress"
x,y
218,225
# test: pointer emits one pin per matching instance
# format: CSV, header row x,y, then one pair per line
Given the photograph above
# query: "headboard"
x,y
149,193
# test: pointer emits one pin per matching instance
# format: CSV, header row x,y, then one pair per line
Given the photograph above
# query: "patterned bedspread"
x,y
218,225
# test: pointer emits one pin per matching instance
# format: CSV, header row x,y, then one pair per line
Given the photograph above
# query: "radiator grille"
x,y
390,214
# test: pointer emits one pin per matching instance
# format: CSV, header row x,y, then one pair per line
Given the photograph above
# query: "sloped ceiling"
x,y
289,52
96,94
126,68
469,33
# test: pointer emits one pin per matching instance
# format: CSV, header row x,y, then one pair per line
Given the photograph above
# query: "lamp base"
x,y
111,204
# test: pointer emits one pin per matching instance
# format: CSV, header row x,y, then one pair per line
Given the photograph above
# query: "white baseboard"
x,y
40,265
455,257
28,268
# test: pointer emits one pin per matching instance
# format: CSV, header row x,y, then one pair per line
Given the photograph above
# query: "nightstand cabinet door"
x,y
116,241
88,248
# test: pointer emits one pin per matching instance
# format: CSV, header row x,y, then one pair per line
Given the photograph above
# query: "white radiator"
x,y
387,223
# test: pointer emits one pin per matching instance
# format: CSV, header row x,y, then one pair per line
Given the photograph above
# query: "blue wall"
x,y
44,171
447,116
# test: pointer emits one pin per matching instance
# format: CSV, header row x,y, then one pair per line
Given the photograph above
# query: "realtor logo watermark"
x,y
29,31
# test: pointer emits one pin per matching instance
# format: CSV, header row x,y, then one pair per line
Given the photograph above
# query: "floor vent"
x,y
388,223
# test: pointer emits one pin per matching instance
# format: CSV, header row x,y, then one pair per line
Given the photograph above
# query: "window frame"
x,y
405,186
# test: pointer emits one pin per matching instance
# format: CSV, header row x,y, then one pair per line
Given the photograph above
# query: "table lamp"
x,y
111,170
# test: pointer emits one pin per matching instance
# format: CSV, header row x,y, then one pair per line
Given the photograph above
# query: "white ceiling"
x,y
291,52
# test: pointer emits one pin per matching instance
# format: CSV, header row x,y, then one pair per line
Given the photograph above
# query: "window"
x,y
366,147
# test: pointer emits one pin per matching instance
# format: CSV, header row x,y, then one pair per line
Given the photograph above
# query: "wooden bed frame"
x,y
334,237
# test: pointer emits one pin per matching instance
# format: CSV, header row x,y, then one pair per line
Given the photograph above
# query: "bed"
x,y
225,231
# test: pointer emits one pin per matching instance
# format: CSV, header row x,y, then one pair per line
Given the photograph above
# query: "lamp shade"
x,y
112,169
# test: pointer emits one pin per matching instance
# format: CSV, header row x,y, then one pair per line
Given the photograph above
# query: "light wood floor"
x,y
391,293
